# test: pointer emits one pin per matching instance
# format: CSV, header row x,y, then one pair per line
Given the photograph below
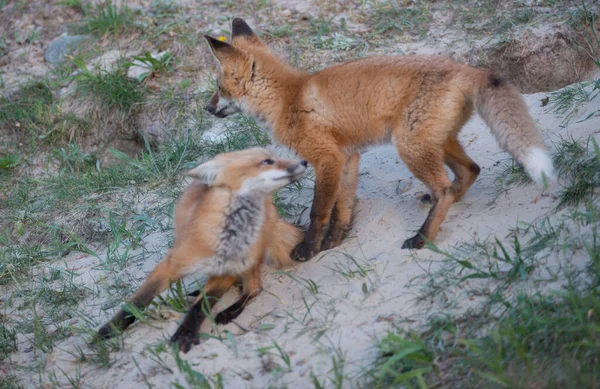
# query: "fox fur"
x,y
225,224
418,103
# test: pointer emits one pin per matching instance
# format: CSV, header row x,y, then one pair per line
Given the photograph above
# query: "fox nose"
x,y
210,109
292,169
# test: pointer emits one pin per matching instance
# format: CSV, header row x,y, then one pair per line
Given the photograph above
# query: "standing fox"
x,y
225,223
419,103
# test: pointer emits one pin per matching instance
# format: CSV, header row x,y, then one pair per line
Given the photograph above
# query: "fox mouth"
x,y
220,114
293,177
223,111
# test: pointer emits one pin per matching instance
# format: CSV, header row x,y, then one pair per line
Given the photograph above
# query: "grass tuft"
x,y
108,18
566,102
403,362
33,114
29,105
112,88
397,18
547,339
194,378
155,66
8,338
578,165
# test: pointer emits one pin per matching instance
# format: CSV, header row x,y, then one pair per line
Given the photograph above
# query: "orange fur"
x,y
419,103
202,232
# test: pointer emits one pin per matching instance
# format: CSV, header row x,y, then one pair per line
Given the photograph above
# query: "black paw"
x,y
117,325
225,317
303,252
334,238
426,199
185,339
107,331
416,242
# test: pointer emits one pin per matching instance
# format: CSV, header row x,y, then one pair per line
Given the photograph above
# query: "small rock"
x,y
138,69
403,186
106,61
59,48
153,85
286,13
141,24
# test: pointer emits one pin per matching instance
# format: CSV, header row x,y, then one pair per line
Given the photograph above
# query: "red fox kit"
x,y
225,224
418,103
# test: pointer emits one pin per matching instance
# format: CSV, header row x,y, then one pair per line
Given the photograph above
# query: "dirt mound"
x,y
546,60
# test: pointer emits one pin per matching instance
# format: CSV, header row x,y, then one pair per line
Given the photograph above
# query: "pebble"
x,y
60,47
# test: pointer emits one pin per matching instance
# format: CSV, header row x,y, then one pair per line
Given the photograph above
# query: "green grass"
x,y
9,162
77,5
403,361
515,339
154,65
10,381
107,18
567,102
113,89
541,341
487,261
504,18
33,112
46,218
28,106
194,378
511,174
8,338
578,169
512,337
578,164
395,17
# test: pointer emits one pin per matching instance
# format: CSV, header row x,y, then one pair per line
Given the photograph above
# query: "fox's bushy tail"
x,y
502,108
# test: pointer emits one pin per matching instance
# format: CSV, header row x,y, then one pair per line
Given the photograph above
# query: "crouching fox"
x,y
225,224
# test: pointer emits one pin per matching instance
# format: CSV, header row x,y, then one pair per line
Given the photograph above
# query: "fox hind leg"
x,y
464,168
157,282
428,166
187,334
252,287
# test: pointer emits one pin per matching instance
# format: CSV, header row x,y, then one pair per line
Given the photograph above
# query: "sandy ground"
x,y
344,317
333,317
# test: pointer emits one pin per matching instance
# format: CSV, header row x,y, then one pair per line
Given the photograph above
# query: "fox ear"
x,y
221,50
206,173
242,34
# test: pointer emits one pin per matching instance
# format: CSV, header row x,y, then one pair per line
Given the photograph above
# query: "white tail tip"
x,y
538,164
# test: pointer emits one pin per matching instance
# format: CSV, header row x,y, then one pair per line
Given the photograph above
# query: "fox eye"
x,y
267,162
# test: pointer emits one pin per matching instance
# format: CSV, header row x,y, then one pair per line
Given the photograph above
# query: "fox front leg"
x,y
328,176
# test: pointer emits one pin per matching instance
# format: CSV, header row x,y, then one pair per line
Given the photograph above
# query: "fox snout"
x,y
220,106
212,109
296,170
297,167
211,106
